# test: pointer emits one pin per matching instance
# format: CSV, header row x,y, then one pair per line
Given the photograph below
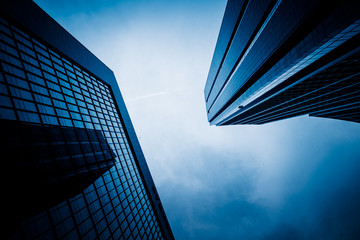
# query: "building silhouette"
x,y
72,166
279,59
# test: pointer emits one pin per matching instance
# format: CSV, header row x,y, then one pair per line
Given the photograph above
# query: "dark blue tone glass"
x,y
280,59
73,168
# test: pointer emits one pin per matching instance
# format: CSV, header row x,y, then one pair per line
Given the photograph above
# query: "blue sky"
x,y
292,179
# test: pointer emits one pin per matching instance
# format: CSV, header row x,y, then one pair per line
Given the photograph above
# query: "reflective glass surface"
x,y
273,46
68,123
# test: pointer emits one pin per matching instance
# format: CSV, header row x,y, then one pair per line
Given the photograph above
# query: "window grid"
x,y
42,87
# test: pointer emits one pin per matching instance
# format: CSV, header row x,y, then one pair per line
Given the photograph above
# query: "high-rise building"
x,y
277,59
72,166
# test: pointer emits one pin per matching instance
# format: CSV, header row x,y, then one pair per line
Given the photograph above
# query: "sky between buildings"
x,y
292,179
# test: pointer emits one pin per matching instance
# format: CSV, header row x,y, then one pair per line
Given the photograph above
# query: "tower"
x,y
72,164
279,59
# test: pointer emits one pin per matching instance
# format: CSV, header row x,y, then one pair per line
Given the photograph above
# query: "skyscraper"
x,y
72,166
279,59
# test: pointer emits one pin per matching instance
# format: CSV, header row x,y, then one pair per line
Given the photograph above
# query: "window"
x,y
43,88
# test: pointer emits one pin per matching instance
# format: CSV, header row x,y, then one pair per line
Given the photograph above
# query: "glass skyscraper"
x,y
284,58
72,167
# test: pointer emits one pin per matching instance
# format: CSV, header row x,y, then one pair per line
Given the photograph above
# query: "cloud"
x,y
321,213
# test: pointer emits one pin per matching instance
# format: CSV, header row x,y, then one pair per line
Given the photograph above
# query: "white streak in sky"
x,y
153,95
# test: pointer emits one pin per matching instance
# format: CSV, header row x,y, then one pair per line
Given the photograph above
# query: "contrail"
x,y
153,95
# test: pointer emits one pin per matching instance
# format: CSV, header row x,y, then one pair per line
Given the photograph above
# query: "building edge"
x,y
27,15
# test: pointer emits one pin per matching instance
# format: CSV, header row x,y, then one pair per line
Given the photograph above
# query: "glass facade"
x,y
265,48
73,172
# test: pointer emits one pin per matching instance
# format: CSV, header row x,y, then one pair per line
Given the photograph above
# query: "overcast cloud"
x,y
292,179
